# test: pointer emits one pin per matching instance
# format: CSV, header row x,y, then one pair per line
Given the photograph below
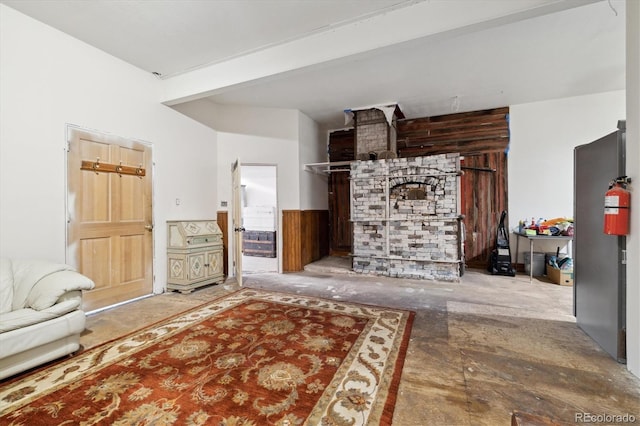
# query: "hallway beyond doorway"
x,y
259,265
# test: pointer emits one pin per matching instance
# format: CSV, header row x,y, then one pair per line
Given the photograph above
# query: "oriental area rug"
x,y
250,358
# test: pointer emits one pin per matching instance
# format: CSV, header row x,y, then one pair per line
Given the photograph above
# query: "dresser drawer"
x,y
204,239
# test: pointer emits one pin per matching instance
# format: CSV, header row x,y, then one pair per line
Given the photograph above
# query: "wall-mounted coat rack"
x,y
120,169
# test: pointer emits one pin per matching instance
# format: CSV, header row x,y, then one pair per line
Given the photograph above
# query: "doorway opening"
x,y
259,200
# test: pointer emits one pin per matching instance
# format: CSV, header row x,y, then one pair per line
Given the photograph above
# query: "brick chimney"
x,y
375,131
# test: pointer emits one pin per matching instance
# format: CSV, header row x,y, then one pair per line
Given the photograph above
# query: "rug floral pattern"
x,y
248,359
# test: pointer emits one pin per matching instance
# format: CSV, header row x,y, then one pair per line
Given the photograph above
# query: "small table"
x,y
532,238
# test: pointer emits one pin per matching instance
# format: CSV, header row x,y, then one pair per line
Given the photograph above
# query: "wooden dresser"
x,y
194,254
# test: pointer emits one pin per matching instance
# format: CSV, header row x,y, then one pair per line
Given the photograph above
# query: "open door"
x,y
600,285
236,219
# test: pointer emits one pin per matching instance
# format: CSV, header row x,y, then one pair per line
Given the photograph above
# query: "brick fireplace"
x,y
405,211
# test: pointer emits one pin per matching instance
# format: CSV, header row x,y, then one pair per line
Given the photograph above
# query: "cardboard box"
x,y
560,276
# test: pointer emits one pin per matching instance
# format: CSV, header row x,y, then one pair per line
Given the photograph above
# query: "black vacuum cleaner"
x,y
500,260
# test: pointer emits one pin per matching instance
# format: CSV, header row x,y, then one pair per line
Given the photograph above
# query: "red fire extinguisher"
x,y
617,202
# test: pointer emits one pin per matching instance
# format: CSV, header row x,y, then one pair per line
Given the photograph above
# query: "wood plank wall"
x,y
483,197
482,137
468,133
291,246
304,238
222,218
341,145
315,235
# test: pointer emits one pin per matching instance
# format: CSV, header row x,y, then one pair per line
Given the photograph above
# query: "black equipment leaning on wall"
x,y
500,260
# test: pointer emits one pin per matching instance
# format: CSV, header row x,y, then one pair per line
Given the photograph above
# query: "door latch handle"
x,y
240,229
148,227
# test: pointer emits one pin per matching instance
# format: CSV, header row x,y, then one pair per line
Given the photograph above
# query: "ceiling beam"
x,y
417,20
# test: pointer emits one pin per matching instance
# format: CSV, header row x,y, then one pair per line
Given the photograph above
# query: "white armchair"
x,y
41,315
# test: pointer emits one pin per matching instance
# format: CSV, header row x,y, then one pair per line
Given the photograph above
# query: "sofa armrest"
x,y
21,318
46,292
70,301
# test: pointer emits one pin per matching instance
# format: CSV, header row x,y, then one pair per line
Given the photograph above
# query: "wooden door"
x,y
236,219
341,229
110,218
341,148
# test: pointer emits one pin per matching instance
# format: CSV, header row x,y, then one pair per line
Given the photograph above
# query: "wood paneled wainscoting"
x,y
305,238
222,218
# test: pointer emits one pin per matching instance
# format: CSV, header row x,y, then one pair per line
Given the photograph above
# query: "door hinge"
x,y
624,257
68,146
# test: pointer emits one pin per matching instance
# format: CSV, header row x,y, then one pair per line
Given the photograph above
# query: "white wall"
x,y
260,201
313,148
268,122
543,136
633,170
49,79
271,124
260,185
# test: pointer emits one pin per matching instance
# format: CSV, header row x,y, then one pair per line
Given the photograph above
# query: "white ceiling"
x,y
547,49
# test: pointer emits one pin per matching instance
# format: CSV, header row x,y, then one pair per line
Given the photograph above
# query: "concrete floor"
x,y
480,349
